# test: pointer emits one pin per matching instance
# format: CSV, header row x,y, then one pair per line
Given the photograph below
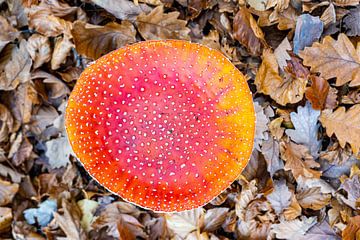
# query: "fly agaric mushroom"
x,y
167,125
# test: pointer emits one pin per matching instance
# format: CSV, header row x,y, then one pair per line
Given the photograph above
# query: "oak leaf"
x,y
293,229
160,25
334,59
94,41
344,124
299,160
287,88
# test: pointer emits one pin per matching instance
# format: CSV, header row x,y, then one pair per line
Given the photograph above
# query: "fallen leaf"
x,y
306,126
344,124
55,87
276,130
287,89
247,32
120,224
87,208
281,53
58,151
293,229
308,30
271,151
41,215
69,221
8,33
259,5
328,17
6,218
39,49
15,66
344,3
322,57
280,197
62,48
160,25
243,199
352,187
6,123
7,192
299,160
352,230
320,231
261,127
287,19
94,41
293,210
123,9
183,223
351,22
214,218
317,93
312,198
8,172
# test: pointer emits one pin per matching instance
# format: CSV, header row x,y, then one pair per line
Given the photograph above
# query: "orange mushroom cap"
x,y
167,125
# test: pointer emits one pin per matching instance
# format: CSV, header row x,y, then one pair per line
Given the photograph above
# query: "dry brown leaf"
x,y
6,123
214,218
293,229
287,19
247,32
270,150
56,88
280,197
294,209
344,124
352,187
8,33
6,218
8,172
344,3
312,198
62,48
15,65
183,223
287,89
275,128
123,9
317,93
7,192
69,221
299,160
352,230
329,15
281,54
43,21
334,59
160,25
39,49
94,41
120,224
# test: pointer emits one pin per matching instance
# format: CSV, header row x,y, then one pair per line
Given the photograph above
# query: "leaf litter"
x,y
302,62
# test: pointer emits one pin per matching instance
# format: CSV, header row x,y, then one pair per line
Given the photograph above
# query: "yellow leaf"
x,y
334,59
345,125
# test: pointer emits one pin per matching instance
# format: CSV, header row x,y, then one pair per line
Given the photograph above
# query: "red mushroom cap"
x,y
167,125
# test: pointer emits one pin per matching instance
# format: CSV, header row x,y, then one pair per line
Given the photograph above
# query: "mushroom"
x,y
167,125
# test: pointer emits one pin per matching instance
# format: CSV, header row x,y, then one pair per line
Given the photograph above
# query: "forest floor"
x,y
302,61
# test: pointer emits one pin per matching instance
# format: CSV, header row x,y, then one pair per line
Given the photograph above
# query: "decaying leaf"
x,y
58,152
320,231
15,66
69,221
247,32
344,124
294,229
39,49
280,198
287,89
7,192
87,208
293,210
94,41
63,46
317,93
306,126
352,230
312,198
271,151
334,58
123,9
184,223
351,22
160,25
352,187
299,160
